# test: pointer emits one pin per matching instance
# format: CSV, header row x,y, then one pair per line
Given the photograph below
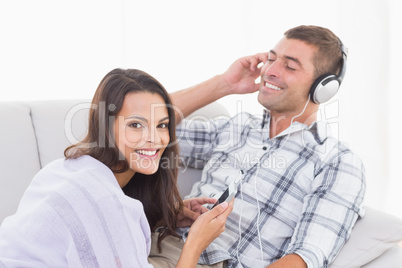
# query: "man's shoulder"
x,y
224,121
247,119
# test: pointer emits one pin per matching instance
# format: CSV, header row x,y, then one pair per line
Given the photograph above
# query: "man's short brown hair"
x,y
328,58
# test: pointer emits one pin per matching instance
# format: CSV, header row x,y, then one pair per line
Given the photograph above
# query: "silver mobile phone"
x,y
229,193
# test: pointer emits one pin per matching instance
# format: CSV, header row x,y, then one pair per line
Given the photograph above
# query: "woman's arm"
x,y
204,230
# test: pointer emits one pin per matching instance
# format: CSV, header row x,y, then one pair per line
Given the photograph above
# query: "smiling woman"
x,y
101,203
130,105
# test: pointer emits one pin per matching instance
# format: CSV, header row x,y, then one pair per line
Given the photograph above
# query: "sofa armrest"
x,y
373,236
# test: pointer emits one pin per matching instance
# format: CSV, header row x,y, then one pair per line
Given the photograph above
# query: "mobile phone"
x,y
229,193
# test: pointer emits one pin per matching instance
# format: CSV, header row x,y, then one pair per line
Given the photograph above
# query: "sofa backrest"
x,y
33,134
37,132
19,156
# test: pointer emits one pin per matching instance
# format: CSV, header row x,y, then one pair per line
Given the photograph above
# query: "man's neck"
x,y
280,122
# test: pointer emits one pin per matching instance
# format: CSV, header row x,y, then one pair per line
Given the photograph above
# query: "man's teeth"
x,y
272,86
144,152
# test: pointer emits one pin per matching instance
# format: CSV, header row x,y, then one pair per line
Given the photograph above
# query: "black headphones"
x,y
327,85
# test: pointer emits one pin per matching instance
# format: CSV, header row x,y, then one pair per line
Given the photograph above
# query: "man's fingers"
x,y
256,60
262,57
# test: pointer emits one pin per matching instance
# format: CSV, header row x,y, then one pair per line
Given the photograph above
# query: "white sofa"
x,y
37,132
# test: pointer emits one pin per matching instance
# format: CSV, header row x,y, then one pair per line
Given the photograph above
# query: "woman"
x,y
97,207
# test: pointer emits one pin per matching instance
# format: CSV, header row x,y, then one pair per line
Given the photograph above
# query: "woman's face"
x,y
141,131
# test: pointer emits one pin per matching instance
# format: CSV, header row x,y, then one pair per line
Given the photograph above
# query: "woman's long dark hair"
x,y
158,192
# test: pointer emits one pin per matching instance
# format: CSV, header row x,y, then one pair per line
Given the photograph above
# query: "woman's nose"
x,y
152,136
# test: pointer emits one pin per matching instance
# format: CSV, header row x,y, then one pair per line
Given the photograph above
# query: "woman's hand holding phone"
x,y
205,229
192,209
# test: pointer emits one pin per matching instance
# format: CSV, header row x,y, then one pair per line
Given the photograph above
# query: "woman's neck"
x,y
124,177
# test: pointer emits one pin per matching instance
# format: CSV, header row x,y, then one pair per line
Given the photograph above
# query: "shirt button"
x,y
264,148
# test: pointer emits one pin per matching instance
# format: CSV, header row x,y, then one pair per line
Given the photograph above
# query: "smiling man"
x,y
299,213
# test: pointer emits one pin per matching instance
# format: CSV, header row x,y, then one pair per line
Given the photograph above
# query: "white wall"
x,y
61,49
58,49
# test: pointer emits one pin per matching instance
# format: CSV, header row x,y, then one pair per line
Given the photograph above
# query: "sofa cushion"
x,y
372,235
19,159
58,124
392,258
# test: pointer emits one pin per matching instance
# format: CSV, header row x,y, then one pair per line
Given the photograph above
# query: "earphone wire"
x,y
291,123
241,214
256,195
258,218
258,214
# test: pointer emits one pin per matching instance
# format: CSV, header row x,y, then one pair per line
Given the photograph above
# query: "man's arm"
x,y
289,261
238,79
331,210
193,98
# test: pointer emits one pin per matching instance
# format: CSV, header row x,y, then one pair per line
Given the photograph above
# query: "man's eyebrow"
x,y
295,60
289,58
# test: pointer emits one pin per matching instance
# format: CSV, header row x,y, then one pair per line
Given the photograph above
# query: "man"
x,y
301,190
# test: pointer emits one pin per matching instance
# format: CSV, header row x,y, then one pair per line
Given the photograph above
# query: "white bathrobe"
x,y
74,214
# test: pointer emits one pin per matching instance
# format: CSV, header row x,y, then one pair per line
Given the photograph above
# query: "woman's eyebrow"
x,y
137,117
164,118
144,119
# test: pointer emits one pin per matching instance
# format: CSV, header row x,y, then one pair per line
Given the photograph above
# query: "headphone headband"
x,y
342,71
326,86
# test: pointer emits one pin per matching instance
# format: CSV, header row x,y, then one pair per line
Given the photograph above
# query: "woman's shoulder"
x,y
68,176
75,167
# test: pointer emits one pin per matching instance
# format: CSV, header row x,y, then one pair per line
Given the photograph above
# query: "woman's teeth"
x,y
146,152
272,86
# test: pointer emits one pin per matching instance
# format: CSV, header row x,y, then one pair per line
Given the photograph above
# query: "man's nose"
x,y
272,69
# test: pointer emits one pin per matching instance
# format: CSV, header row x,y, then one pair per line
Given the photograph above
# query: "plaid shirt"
x,y
301,191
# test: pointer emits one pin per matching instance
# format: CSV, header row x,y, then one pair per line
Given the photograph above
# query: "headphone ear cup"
x,y
324,88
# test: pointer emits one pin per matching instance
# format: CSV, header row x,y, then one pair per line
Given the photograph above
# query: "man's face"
x,y
286,77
